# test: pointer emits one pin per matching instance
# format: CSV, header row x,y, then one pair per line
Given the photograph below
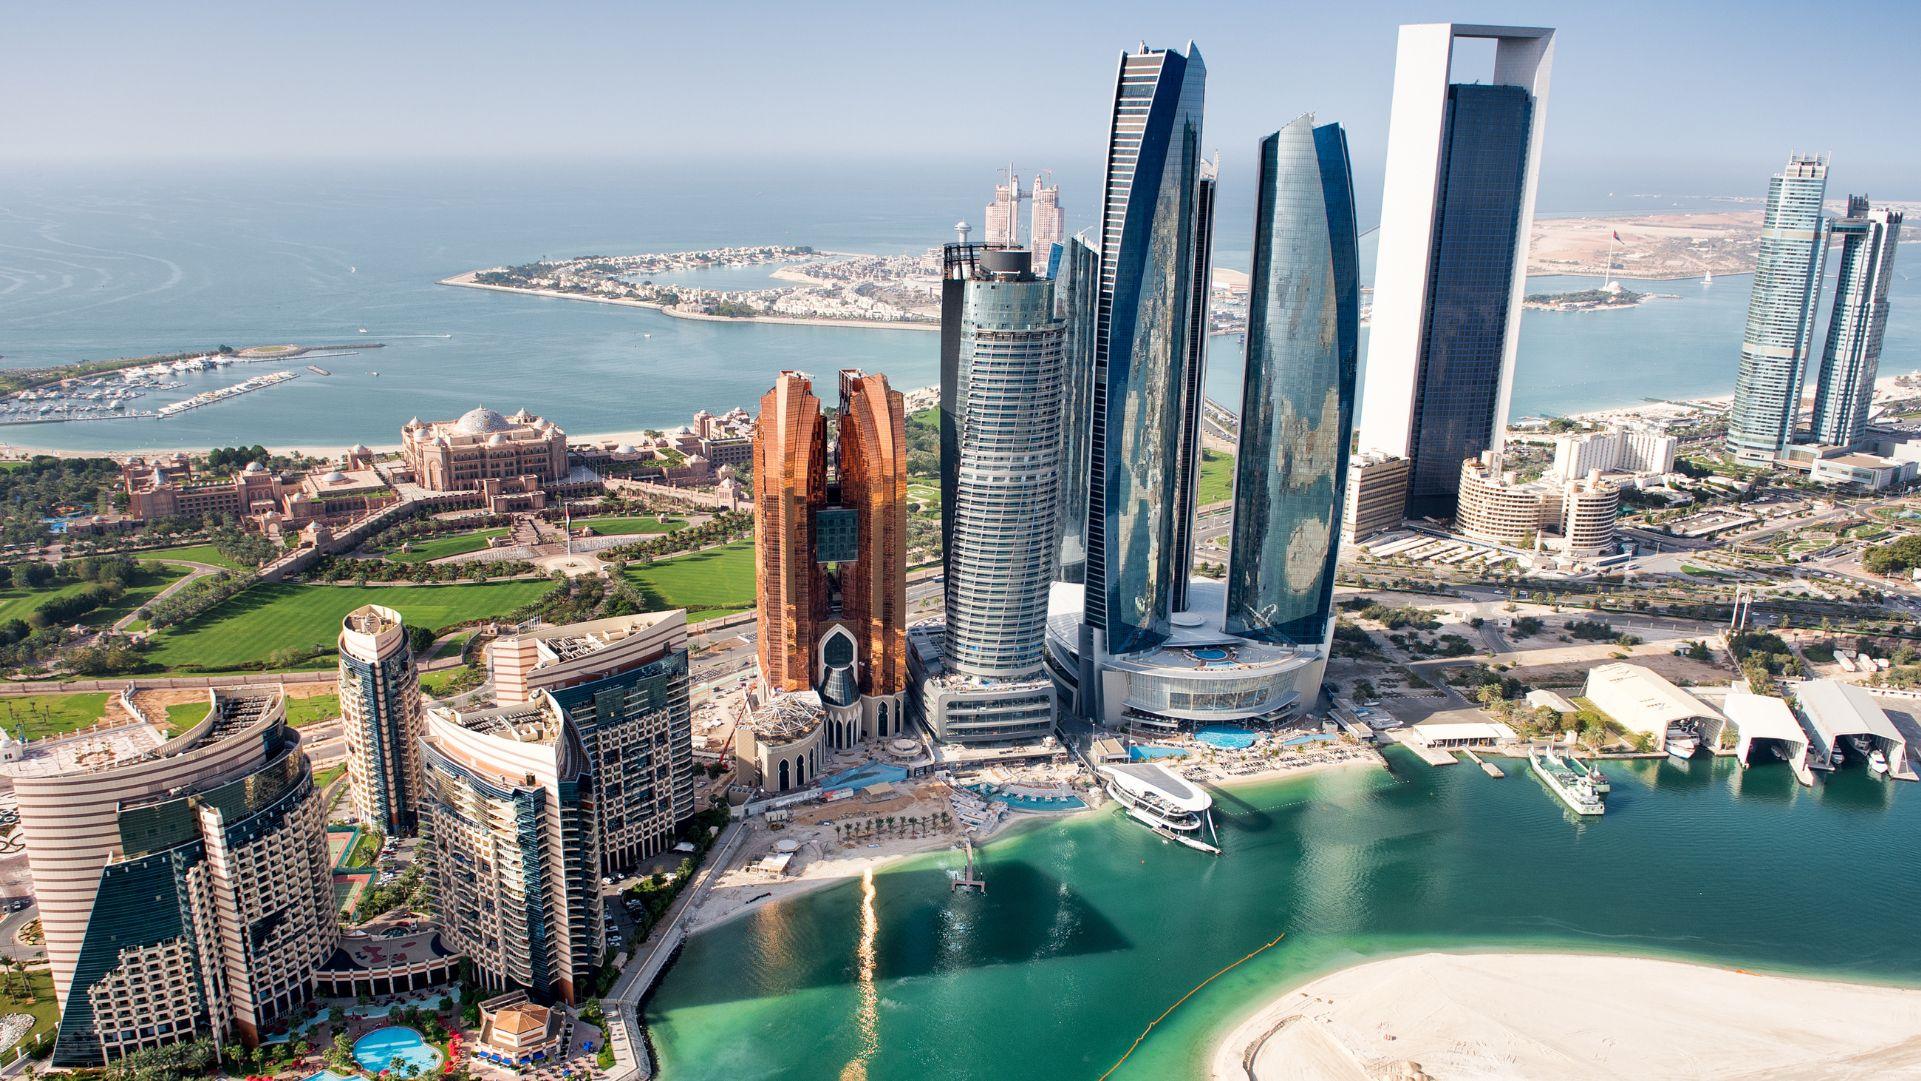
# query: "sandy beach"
x,y
1571,1017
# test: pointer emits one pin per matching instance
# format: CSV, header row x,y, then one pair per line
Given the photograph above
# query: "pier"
x,y
1487,767
968,882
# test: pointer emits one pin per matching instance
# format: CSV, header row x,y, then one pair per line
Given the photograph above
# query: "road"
x,y
195,572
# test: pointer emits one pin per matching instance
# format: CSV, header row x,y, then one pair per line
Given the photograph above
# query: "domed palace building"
x,y
483,446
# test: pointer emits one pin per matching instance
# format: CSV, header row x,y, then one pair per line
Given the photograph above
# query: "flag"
x,y
1617,237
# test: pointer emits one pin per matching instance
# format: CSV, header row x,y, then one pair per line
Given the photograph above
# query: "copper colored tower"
x,y
790,483
831,552
873,481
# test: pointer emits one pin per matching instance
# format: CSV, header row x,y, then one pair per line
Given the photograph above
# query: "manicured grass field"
x,y
709,583
453,544
193,553
20,603
30,991
1217,478
275,616
327,776
51,714
312,709
608,526
184,715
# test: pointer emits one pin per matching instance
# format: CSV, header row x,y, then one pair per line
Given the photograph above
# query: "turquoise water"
x,y
106,263
1226,736
1030,803
377,1050
327,1075
1092,926
1312,737
1139,753
861,776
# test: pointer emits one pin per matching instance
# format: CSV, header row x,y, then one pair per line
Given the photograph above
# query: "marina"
x,y
211,397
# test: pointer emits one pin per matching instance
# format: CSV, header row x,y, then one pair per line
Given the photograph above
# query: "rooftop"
x,y
786,716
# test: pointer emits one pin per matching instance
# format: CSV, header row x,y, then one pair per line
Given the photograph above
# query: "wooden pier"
x,y
968,882
1487,767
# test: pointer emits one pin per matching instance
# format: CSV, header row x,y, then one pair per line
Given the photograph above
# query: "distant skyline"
x,y
1702,98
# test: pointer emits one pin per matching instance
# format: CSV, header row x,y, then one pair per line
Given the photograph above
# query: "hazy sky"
x,y
1710,94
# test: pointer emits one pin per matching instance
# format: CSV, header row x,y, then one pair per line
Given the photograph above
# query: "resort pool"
x,y
1143,752
1225,736
377,1050
327,1075
1029,803
1311,737
861,776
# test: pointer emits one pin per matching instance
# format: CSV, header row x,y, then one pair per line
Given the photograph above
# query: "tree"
x,y
340,1053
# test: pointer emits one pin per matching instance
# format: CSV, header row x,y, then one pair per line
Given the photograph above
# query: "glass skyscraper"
x,y
1462,165
1077,282
1000,518
1781,311
1844,389
1150,226
1297,405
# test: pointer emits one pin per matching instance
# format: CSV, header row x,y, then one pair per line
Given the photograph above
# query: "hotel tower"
x,y
1844,389
1781,311
184,886
380,718
1463,162
830,552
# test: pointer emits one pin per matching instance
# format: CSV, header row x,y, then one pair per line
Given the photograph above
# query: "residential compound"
x,y
1572,517
622,684
1640,451
1134,639
184,884
511,807
830,552
977,673
1768,425
380,719
1463,162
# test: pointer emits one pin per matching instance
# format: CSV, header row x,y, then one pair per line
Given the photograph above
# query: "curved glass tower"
x,y
1149,229
1780,327
1008,423
1297,405
1844,392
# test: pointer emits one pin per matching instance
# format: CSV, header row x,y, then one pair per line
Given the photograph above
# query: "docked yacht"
x,y
1163,802
1573,788
1681,743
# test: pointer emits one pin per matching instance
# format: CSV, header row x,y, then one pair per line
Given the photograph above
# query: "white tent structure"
x,y
1642,700
1759,718
1832,712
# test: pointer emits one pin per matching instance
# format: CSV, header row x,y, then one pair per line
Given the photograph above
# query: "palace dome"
x,y
480,420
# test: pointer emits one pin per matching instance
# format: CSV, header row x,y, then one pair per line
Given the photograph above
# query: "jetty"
x,y
258,382
969,882
1487,767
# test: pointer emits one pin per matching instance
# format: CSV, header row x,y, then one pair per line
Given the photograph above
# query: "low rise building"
x,y
958,708
1498,508
779,747
1643,701
1376,494
483,445
1638,450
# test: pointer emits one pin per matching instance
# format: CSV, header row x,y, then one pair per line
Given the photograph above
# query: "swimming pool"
x,y
1225,736
1029,803
1141,752
377,1050
327,1075
861,776
1311,737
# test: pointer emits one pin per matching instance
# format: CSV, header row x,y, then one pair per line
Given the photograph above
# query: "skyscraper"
x,y
1297,403
622,682
185,888
1844,390
1138,409
510,801
1462,165
1781,310
1187,477
1048,222
380,718
1077,284
982,679
1003,214
831,552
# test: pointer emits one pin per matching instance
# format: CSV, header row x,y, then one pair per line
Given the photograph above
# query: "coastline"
x,y
466,281
1562,1014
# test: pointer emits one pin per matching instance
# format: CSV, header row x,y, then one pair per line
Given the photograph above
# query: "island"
x,y
899,292
1586,300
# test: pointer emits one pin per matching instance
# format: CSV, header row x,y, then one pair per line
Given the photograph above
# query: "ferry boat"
x,y
1163,802
1595,778
1573,789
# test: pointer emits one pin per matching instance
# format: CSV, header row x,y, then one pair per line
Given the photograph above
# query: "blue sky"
x,y
1705,97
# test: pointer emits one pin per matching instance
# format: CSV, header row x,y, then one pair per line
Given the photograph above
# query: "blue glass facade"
x,y
1077,284
1149,229
1781,310
1477,223
1297,405
1844,393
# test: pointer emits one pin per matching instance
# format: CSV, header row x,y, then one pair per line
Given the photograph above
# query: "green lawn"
x,y
1217,477
30,991
20,603
51,714
329,775
193,553
184,715
276,616
312,709
453,544
709,583
610,526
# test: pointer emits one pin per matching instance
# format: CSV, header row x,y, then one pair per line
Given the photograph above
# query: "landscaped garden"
x,y
20,603
272,617
41,715
194,553
709,583
622,526
1217,478
453,544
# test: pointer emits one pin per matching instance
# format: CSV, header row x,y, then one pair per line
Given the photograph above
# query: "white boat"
x,y
1708,278
1878,762
1572,788
1163,802
1682,747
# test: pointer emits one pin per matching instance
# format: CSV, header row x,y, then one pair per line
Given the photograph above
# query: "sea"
x,y
99,262
1091,927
